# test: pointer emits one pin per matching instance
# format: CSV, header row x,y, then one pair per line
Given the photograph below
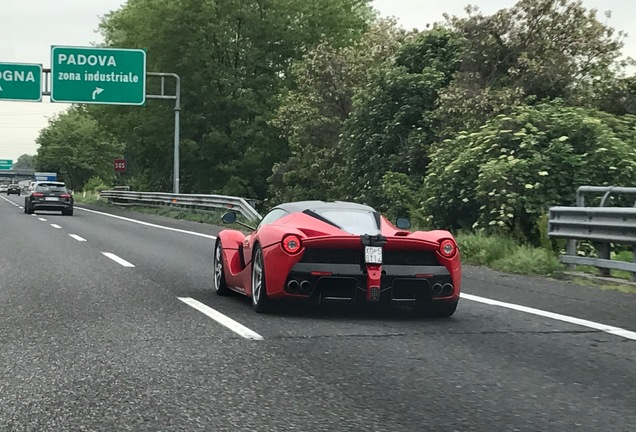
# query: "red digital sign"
x,y
120,165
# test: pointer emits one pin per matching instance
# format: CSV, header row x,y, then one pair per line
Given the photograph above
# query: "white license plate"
x,y
373,255
51,199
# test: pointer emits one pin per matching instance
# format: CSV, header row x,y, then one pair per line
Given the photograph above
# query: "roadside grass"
x,y
605,285
505,254
190,215
89,198
193,215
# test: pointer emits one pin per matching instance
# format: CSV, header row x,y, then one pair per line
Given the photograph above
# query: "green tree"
x,y
234,59
619,96
311,115
75,147
25,162
393,120
543,49
504,175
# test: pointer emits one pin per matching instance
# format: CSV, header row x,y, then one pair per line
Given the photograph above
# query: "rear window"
x,y
356,222
50,188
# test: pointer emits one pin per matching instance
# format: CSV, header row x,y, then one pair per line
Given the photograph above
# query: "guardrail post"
x,y
634,261
605,250
571,244
604,253
570,249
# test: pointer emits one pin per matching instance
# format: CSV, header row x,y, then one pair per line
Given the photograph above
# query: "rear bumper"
x,y
348,282
52,206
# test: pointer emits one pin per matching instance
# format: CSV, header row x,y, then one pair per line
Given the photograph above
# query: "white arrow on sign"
x,y
0,88
97,91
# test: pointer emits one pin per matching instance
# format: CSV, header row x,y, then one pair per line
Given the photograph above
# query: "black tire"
x,y
260,301
220,286
67,212
29,209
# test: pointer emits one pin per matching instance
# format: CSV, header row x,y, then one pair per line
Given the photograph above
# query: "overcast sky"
x,y
28,28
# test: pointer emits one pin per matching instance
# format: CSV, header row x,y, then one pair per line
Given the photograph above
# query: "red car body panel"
x,y
317,235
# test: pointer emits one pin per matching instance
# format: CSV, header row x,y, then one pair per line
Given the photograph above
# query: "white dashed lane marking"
x,y
78,238
224,320
117,259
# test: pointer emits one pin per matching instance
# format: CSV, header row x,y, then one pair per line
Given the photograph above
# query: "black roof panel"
x,y
300,206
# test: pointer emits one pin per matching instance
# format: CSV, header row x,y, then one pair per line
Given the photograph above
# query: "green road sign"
x,y
98,75
21,82
6,164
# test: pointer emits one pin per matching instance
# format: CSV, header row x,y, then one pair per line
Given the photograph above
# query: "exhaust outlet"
x,y
305,286
448,289
292,285
437,289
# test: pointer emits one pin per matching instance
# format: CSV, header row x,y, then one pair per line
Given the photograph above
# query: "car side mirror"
x,y
403,223
229,217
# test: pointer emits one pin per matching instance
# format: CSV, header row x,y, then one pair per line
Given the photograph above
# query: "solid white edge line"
x,y
56,226
224,320
565,318
117,259
148,224
78,238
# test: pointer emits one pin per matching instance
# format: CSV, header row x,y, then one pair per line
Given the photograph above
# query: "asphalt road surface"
x,y
108,324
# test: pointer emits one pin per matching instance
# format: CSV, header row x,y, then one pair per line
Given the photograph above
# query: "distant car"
x,y
50,196
338,251
4,188
13,189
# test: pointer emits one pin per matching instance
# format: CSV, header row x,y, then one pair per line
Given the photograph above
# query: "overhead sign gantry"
x,y
91,75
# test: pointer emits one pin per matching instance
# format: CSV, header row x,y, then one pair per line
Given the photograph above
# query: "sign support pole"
x,y
177,111
177,118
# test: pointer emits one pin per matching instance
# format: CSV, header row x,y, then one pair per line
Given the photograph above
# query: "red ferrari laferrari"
x,y
338,251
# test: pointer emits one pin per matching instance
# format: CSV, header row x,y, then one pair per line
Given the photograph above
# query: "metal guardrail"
x,y
192,201
601,225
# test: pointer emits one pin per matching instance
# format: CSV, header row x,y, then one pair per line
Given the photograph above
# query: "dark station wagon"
x,y
49,196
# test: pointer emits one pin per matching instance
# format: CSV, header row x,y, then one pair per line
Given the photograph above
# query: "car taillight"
x,y
65,196
447,248
291,244
38,194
